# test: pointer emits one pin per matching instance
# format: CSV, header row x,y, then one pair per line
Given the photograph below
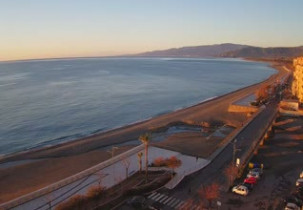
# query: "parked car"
x,y
253,174
249,186
240,189
291,206
299,192
259,170
293,199
299,183
251,180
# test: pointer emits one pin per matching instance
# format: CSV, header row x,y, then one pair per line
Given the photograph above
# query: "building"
x,y
297,85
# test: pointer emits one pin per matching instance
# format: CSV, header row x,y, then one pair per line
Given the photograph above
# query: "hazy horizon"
x,y
64,29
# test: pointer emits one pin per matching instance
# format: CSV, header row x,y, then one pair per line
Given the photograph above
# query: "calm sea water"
x,y
51,101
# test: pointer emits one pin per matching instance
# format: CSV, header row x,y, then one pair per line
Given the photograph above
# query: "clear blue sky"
x,y
60,28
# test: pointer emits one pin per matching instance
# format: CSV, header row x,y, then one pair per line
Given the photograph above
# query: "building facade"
x,y
297,85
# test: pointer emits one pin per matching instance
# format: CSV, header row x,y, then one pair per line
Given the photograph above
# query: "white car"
x,y
299,182
291,206
240,189
253,174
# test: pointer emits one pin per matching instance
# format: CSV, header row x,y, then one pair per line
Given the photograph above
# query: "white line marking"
x,y
175,203
164,198
173,200
161,196
168,200
151,195
180,204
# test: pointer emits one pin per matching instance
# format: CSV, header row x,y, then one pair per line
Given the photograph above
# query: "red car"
x,y
251,180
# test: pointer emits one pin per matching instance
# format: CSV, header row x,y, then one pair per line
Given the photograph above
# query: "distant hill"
x,y
195,52
228,50
268,53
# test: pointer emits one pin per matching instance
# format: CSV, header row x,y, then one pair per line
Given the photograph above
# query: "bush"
x,y
95,192
76,202
171,162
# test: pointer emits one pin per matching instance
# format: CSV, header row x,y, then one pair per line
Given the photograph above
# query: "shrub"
x,y
158,162
95,192
76,202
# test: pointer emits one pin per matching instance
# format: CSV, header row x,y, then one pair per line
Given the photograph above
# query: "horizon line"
x,y
131,54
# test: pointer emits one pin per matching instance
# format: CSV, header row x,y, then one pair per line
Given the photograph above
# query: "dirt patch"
x,y
192,143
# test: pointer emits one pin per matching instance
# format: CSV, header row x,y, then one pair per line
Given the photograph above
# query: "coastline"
x,y
50,162
29,153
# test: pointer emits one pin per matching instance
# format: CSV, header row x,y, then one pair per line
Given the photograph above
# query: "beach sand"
x,y
60,161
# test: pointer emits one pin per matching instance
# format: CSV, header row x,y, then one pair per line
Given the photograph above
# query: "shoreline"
x,y
60,161
30,153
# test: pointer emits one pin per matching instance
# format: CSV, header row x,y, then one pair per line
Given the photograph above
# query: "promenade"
x,y
107,174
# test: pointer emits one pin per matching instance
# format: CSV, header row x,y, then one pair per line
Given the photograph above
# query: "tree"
x,y
145,138
173,163
140,161
95,192
231,171
262,94
158,162
210,193
126,163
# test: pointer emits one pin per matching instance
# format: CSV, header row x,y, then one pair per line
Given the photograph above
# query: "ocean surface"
x,y
45,102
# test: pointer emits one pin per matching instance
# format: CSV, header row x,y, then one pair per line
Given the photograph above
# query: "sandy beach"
x,y
57,162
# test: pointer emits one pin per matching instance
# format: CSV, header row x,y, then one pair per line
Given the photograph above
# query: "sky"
x,y
74,28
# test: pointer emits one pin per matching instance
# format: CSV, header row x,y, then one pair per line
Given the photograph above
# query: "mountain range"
x,y
228,50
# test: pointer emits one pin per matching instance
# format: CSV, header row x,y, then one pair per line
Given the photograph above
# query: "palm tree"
x,y
140,161
145,140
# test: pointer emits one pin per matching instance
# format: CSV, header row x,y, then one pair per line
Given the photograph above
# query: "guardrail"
x,y
43,191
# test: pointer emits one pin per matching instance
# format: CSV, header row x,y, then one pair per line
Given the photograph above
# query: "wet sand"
x,y
60,161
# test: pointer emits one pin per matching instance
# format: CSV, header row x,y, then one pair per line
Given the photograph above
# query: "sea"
x,y
47,102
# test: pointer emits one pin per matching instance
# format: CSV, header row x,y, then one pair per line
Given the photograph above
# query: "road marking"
x,y
180,204
168,200
175,203
154,196
158,198
195,207
164,198
151,195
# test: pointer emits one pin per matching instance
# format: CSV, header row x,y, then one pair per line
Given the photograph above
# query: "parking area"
x,y
282,156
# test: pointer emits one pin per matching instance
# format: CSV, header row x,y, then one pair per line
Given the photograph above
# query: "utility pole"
x,y
234,151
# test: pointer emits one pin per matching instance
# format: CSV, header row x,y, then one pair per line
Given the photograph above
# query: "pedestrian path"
x,y
171,202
